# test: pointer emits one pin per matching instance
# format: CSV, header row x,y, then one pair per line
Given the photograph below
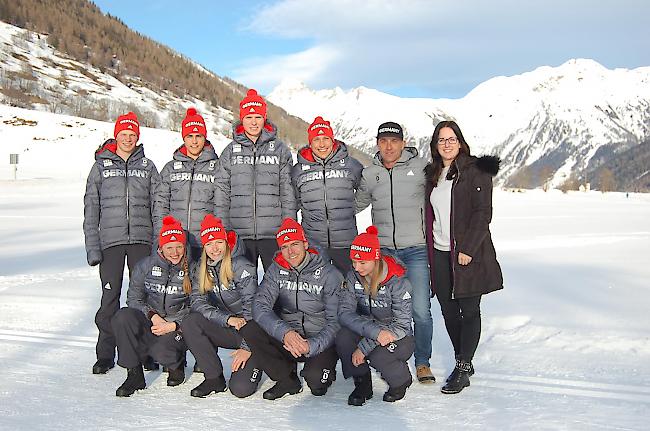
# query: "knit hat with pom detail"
x,y
127,122
252,104
320,127
193,123
366,245
212,229
171,231
290,230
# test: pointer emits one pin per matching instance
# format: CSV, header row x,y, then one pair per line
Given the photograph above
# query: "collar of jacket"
x,y
108,150
339,151
269,132
206,155
314,260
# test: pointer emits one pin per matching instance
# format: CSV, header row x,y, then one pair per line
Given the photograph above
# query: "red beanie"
x,y
320,127
211,229
127,122
193,123
252,104
366,245
171,231
290,231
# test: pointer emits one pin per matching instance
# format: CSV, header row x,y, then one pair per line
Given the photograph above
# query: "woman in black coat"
x,y
461,254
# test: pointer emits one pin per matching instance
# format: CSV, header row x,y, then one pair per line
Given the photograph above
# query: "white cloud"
x,y
442,47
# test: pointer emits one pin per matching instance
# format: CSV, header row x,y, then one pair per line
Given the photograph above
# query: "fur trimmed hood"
x,y
488,164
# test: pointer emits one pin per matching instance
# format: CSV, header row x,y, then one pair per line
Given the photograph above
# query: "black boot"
x,y
176,376
459,378
150,365
397,393
102,366
471,369
209,386
362,390
290,386
134,382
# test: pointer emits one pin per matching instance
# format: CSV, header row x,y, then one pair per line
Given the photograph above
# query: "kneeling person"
x,y
303,288
375,315
222,295
157,301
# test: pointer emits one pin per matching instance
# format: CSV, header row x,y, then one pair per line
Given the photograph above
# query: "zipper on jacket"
x,y
452,237
327,217
126,184
169,277
189,200
298,309
254,193
392,206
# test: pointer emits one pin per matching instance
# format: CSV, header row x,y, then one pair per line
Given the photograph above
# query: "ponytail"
x,y
187,283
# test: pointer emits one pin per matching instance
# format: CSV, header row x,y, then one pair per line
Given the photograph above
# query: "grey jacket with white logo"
x,y
307,301
186,190
397,197
223,302
156,286
254,192
389,310
325,194
118,201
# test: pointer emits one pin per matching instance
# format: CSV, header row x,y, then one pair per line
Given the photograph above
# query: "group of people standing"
x,y
192,236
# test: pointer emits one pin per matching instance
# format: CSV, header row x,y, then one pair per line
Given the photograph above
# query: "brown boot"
x,y
424,374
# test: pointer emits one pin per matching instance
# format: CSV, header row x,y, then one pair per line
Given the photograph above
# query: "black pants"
x,y
204,337
390,360
264,248
319,371
111,269
462,315
135,341
341,259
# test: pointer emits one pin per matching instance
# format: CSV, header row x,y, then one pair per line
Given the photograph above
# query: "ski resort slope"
x,y
564,345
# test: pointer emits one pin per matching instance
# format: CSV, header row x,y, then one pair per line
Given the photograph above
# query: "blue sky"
x,y
411,48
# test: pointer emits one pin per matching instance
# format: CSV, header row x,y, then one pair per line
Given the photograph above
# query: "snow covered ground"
x,y
564,346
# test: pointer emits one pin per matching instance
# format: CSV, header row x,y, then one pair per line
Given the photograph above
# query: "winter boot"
x,y
471,370
397,393
289,386
459,378
209,386
102,366
362,390
150,365
134,382
176,376
424,374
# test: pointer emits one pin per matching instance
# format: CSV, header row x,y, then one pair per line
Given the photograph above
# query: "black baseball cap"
x,y
390,128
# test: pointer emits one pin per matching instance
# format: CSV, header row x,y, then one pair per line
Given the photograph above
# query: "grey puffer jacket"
x,y
186,190
325,194
118,201
307,301
156,287
223,302
254,192
390,310
397,197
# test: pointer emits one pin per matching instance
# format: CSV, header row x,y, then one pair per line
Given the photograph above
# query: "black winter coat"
x,y
471,213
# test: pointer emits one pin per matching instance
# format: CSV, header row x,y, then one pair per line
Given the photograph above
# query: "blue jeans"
x,y
417,271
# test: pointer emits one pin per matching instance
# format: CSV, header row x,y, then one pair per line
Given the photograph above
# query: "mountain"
x,y
550,125
77,61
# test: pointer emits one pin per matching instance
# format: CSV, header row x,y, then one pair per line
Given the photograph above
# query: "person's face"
x,y
322,146
390,148
216,249
173,251
363,267
126,141
253,124
194,143
448,145
294,252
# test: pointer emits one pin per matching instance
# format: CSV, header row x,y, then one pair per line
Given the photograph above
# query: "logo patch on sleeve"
x,y
406,296
245,274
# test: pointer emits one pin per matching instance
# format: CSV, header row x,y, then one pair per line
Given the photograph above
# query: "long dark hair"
x,y
434,168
